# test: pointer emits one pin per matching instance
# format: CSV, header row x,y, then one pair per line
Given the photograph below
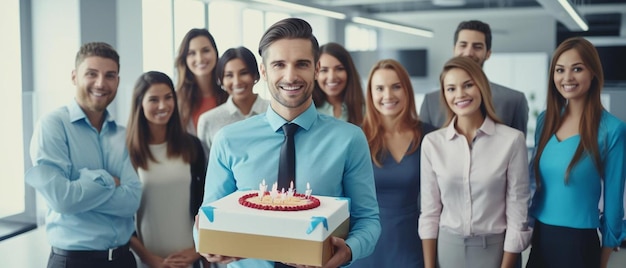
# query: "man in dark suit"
x,y
473,39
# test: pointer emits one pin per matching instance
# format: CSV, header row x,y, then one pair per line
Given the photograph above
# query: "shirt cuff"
x,y
354,249
611,239
517,241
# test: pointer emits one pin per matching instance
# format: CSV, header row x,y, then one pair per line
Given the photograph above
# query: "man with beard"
x,y
81,168
331,155
473,39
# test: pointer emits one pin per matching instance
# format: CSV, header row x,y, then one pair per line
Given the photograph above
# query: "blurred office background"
x,y
40,39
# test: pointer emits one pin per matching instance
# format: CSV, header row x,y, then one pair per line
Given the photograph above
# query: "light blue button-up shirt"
x,y
73,169
333,156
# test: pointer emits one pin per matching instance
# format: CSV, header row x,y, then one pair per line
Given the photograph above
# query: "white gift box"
x,y
302,237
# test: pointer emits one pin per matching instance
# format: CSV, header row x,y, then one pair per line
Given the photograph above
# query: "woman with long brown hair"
x,y
338,91
580,153
197,87
171,165
394,134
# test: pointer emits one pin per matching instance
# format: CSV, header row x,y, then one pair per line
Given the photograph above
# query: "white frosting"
x,y
230,216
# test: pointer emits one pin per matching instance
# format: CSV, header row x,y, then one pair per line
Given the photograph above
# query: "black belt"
x,y
109,255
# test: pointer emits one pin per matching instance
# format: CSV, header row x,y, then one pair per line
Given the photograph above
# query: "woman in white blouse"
x,y
475,187
237,73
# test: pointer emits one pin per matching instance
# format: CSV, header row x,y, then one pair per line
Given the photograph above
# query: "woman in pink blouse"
x,y
475,187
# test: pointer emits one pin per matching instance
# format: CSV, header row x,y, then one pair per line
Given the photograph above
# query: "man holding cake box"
x,y
331,157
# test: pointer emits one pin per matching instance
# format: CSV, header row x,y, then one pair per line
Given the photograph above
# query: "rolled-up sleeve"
x,y
50,174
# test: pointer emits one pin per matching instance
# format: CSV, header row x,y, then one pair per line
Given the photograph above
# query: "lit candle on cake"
x,y
274,192
291,190
308,191
262,189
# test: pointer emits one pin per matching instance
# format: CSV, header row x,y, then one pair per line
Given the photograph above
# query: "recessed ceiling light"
x,y
449,3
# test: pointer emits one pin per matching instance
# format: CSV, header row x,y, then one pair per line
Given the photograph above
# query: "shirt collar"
x,y
231,108
77,113
326,106
257,107
488,127
304,120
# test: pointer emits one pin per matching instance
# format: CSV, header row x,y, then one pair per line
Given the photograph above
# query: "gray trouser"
x,y
455,251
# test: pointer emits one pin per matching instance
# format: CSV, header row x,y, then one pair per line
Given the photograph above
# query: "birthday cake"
x,y
282,226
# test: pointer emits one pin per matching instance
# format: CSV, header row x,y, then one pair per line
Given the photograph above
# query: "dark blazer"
x,y
511,107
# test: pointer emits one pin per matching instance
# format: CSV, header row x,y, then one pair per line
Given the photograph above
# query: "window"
x,y
253,31
17,212
188,14
360,38
225,24
158,46
11,116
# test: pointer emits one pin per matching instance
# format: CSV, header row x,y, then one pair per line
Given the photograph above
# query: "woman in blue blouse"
x,y
394,134
579,154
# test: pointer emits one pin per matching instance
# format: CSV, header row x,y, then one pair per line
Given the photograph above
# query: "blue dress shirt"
x,y
331,155
73,169
575,204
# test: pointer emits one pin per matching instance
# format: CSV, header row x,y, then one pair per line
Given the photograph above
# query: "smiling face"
x,y
472,44
388,93
96,80
332,78
571,77
290,71
158,104
238,80
201,57
462,94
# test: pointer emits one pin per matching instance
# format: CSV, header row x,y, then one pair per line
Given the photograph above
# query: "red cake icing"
x,y
296,203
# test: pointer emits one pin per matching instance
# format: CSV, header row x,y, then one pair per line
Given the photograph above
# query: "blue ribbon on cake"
x,y
315,221
346,199
208,211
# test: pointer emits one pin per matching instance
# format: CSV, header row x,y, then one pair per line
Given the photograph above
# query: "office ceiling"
x,y
603,16
374,7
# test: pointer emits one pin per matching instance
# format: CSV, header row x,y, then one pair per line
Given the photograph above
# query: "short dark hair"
x,y
475,25
98,49
237,53
290,28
